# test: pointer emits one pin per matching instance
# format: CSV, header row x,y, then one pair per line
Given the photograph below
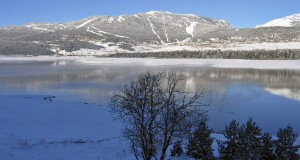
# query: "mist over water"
x,y
270,97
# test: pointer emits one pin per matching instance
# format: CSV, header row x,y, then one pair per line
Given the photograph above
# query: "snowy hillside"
x,y
153,31
153,26
289,21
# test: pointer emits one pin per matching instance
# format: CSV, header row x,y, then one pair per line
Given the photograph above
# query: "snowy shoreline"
x,y
217,63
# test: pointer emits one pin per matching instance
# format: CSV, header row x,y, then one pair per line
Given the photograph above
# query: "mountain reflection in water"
x,y
271,97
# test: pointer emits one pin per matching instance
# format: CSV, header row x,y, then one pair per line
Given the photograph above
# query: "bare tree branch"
x,y
156,114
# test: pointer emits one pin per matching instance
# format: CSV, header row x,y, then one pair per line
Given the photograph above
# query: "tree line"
x,y
280,54
244,141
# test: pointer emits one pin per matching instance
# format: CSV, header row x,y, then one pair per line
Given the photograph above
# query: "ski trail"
x,y
152,27
88,29
166,34
85,23
100,31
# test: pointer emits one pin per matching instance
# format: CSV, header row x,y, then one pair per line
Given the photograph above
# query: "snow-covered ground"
x,y
263,46
218,63
113,48
233,47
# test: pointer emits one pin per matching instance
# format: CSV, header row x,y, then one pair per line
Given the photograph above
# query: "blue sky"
x,y
239,13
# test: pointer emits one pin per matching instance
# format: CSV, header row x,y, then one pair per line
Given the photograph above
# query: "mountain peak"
x,y
158,12
288,21
167,12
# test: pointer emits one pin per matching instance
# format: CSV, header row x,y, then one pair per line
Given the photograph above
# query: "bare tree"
x,y
156,113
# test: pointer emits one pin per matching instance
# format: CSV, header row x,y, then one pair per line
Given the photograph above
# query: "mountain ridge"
x,y
288,21
142,32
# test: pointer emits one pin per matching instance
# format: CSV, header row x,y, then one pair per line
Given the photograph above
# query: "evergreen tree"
x,y
250,140
176,151
285,148
267,149
199,145
229,149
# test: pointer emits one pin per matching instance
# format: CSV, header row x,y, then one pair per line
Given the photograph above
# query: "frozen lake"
x,y
270,97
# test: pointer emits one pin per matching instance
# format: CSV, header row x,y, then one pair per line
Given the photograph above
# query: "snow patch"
x,y
100,31
217,63
204,20
153,13
164,48
89,30
111,20
223,22
177,24
137,16
158,12
170,17
120,19
190,29
263,46
43,29
62,25
85,23
39,27
109,48
236,38
90,52
191,15
185,40
186,19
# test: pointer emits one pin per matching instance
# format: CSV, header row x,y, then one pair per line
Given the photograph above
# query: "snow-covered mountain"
x,y
154,26
107,34
154,31
289,21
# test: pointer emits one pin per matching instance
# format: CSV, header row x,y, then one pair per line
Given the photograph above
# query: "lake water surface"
x,y
270,97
